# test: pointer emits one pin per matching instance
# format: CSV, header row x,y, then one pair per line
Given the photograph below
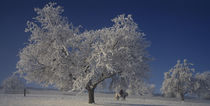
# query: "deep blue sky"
x,y
178,29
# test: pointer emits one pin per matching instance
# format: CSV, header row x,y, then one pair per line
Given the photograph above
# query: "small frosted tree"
x,y
202,85
59,54
178,81
13,84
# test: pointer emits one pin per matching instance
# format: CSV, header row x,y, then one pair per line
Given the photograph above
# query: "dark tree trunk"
x,y
90,88
91,95
182,96
24,91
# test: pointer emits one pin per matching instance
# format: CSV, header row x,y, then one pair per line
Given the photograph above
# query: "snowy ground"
x,y
55,98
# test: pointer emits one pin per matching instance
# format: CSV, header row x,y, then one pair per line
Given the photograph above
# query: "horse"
x,y
122,94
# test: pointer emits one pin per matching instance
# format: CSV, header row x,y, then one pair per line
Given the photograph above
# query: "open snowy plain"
x,y
55,98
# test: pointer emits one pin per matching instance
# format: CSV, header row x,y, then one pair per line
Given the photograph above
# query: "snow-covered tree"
x,y
202,85
178,81
13,84
59,54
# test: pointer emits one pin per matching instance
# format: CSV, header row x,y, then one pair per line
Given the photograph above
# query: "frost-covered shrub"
x,y
202,85
142,89
178,81
13,84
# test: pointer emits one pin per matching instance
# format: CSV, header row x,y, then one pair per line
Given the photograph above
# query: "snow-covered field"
x,y
55,98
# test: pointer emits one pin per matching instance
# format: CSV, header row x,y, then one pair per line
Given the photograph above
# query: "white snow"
x,y
56,98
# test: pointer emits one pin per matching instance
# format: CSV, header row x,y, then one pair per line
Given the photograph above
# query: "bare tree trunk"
x,y
24,91
91,95
90,88
182,96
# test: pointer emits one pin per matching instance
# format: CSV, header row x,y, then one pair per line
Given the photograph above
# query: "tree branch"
x,y
105,77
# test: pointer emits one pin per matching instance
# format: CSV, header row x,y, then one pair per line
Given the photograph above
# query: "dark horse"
x,y
122,94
